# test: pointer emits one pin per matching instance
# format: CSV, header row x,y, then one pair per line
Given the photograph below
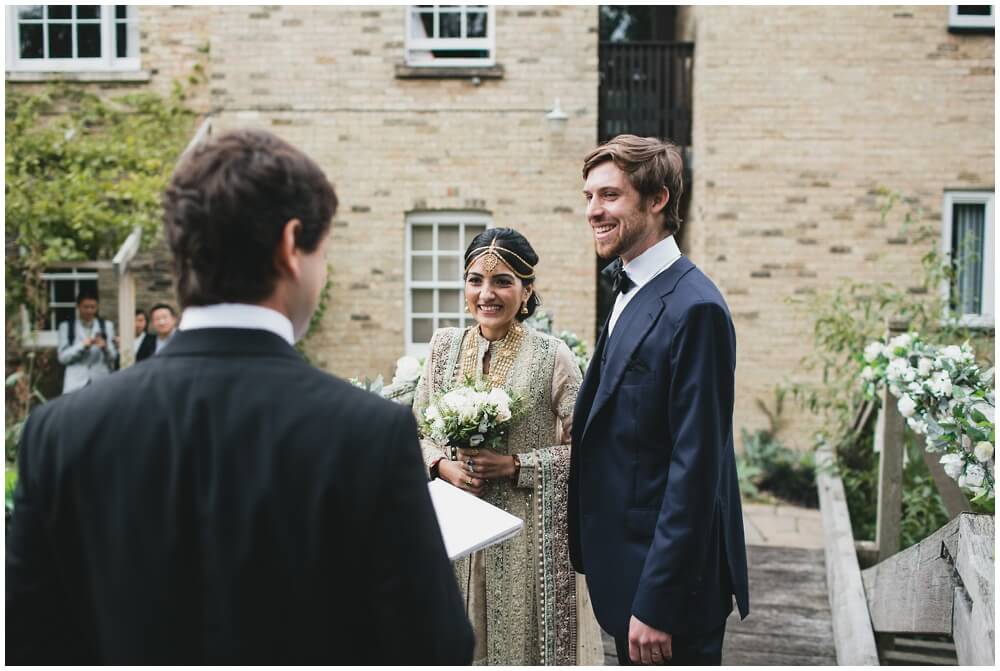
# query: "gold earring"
x,y
465,306
524,308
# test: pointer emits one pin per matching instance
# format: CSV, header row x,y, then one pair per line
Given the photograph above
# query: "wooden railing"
x,y
645,89
942,585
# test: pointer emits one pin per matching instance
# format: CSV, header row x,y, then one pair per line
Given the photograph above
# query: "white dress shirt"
x,y
642,269
237,316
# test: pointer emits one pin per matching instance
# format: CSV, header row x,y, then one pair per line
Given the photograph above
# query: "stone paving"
x,y
782,524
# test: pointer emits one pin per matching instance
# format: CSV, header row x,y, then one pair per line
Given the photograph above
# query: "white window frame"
x,y
985,319
956,20
109,62
49,337
487,44
449,218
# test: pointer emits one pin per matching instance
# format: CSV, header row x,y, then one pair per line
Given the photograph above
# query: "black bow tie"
x,y
620,281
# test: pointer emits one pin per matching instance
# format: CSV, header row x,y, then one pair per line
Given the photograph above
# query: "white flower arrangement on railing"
x,y
403,385
946,397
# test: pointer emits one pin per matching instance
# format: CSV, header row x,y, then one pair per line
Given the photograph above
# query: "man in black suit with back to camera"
x,y
654,505
225,502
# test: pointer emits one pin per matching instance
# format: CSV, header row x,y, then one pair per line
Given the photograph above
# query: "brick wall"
x,y
800,115
394,146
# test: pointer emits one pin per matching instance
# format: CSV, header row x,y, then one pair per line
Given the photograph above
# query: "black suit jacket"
x,y
225,502
147,347
655,520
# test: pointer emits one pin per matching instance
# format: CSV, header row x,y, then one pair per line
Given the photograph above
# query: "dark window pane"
x,y
450,24
31,41
29,12
88,11
60,40
64,291
470,53
975,10
60,11
121,11
121,40
88,40
477,24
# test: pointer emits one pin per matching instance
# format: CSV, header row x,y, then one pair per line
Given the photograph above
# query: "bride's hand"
x,y
483,463
455,473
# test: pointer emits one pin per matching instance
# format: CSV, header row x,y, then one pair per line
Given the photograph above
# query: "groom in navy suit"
x,y
655,521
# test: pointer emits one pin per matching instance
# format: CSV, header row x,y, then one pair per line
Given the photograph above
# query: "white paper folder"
x,y
467,522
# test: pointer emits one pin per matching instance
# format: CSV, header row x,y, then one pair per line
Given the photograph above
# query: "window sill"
x,y
140,76
969,30
404,71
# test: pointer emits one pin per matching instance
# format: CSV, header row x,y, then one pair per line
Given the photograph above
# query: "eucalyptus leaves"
x,y
944,396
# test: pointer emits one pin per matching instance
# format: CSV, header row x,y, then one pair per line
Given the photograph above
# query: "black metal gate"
x,y
645,89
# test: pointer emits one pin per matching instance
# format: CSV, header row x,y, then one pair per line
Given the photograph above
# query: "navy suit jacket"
x,y
655,520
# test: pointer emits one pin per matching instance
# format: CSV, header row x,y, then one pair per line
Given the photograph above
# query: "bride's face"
x,y
494,297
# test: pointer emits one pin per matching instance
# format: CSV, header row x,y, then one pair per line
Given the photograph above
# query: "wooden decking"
x,y
790,622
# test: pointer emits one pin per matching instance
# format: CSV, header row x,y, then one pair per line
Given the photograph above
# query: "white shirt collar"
x,y
653,261
237,316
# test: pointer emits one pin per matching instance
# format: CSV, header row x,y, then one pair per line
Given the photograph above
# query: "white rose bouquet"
x,y
944,396
470,415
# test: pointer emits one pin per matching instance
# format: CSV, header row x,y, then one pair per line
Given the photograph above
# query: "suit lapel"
x,y
633,326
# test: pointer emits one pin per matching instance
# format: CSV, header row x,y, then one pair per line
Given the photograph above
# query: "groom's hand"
x,y
647,645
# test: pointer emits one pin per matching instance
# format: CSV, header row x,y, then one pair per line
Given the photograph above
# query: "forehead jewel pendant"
x,y
491,257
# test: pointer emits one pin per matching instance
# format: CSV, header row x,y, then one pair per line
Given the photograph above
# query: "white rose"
x,y
940,384
924,366
868,373
974,475
407,370
952,464
896,368
903,340
953,352
918,426
873,351
983,451
909,375
906,406
432,413
501,401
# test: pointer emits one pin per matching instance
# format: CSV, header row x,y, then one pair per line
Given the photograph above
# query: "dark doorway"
x,y
645,89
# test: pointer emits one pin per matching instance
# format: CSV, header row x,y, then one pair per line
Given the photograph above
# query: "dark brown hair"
x,y
225,210
651,165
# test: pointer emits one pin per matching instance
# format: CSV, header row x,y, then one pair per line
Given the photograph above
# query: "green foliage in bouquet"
x,y
470,415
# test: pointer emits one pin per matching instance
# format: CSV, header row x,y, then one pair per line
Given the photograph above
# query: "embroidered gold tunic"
x,y
526,604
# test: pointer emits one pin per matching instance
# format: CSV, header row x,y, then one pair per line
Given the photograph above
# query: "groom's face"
x,y
620,224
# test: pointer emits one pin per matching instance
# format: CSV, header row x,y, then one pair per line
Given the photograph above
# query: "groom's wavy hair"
x,y
225,211
651,165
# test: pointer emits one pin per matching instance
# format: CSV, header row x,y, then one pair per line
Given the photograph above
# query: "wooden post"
x,y
126,296
889,445
951,494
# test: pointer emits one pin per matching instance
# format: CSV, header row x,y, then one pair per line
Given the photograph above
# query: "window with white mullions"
x,y
435,288
66,38
968,240
449,35
971,17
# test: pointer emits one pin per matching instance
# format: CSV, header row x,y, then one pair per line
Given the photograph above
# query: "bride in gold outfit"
x,y
527,605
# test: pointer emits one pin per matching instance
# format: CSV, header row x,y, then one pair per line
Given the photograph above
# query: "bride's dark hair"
x,y
516,252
